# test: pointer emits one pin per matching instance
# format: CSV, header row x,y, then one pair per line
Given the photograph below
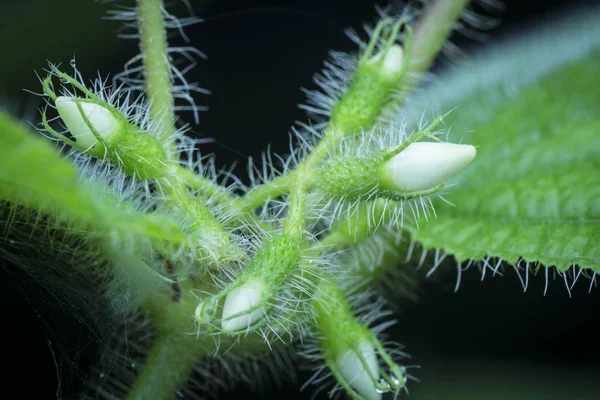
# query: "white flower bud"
x,y
393,61
353,371
239,301
425,165
101,118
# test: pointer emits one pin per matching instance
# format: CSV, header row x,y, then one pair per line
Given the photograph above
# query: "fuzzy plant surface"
x,y
195,281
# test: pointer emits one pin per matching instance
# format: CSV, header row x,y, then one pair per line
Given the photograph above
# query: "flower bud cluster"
x,y
283,283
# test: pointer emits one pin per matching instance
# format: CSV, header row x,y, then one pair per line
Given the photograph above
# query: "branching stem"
x,y
170,359
430,34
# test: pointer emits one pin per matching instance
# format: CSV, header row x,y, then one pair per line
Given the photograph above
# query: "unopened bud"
x,y
239,309
354,370
393,61
425,165
104,122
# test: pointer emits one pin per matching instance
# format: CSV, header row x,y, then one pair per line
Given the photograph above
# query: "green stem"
x,y
176,349
241,216
294,223
204,185
153,45
280,185
431,33
166,370
345,235
260,193
299,183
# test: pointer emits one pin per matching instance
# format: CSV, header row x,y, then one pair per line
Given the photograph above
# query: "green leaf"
x,y
33,175
533,192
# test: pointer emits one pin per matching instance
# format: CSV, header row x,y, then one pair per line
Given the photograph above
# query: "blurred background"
x,y
488,341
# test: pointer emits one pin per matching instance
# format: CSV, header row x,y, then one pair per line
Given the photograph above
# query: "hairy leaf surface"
x,y
533,192
33,175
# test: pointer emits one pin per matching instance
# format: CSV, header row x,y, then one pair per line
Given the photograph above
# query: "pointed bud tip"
x,y
240,301
353,370
101,118
425,165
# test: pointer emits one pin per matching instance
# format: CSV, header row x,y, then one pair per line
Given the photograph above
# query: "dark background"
x,y
488,341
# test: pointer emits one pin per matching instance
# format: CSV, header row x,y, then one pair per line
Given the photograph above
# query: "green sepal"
x,y
372,88
136,152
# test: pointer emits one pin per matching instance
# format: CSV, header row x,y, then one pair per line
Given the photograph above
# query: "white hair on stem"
x,y
181,59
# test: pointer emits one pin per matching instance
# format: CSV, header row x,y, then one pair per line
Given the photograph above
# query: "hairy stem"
x,y
179,346
430,34
166,369
175,350
294,223
153,45
281,184
157,74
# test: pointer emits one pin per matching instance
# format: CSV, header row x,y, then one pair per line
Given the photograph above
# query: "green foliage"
x,y
534,191
33,175
218,274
